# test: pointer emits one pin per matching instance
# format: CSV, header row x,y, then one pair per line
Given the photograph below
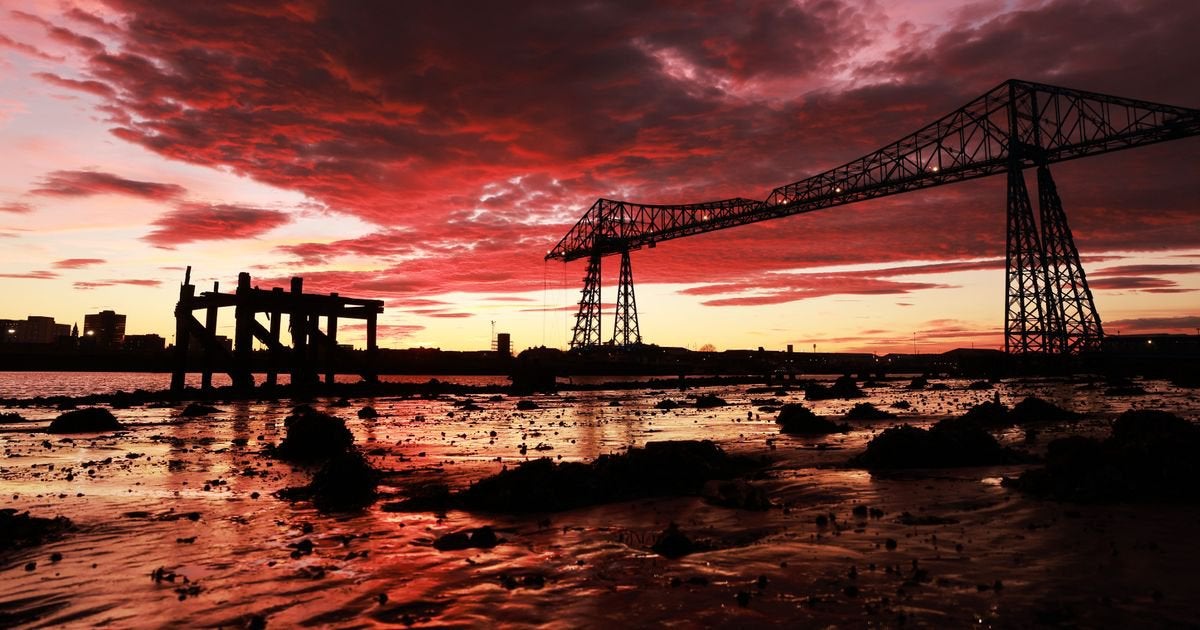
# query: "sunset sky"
x,y
429,154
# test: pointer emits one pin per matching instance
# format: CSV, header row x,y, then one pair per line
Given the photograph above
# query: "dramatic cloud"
x,y
87,183
473,139
78,263
200,222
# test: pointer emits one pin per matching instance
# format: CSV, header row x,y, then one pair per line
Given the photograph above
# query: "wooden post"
x,y
243,335
331,347
276,324
210,325
183,312
369,369
298,323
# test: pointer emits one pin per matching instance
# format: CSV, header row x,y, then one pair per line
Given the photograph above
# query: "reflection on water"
x,y
194,498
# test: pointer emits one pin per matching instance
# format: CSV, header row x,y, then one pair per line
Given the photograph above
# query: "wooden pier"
x,y
312,351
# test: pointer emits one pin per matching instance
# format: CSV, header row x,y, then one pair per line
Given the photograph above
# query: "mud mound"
x,y
313,436
20,530
661,468
666,403
1150,456
796,419
86,420
843,388
526,405
951,443
867,411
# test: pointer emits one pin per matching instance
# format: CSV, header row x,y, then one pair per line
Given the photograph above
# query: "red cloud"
x,y
85,285
92,87
31,275
1184,324
78,263
87,183
199,222
16,207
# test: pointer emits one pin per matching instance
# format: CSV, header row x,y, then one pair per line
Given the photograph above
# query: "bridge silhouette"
x,y
1017,125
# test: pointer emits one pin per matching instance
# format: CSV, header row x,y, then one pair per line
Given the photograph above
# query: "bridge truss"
x,y
1015,126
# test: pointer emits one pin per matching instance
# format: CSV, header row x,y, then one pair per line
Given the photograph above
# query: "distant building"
x,y
504,344
33,329
105,329
144,343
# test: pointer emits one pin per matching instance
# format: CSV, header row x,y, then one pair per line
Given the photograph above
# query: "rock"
x,y
919,382
737,493
660,468
313,436
1034,409
20,530
1149,456
196,410
479,538
979,386
526,405
844,387
950,443
666,403
672,543
901,404
86,420
11,416
367,413
867,411
708,401
796,419
988,414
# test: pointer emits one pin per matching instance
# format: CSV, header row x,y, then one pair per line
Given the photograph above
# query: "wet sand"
x,y
193,496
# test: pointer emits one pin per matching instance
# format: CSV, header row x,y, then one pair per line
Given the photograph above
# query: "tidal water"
x,y
32,384
193,497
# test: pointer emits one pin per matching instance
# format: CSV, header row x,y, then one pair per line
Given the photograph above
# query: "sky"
x,y
429,154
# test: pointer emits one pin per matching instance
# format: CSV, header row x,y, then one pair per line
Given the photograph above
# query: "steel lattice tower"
x,y
1014,126
1078,327
587,320
1024,321
625,328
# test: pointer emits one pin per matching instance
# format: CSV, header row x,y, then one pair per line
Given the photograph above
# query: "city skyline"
x,y
430,162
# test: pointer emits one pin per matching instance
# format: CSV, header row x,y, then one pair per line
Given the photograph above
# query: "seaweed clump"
x,y
344,480
86,420
1149,456
312,437
951,443
659,468
796,419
